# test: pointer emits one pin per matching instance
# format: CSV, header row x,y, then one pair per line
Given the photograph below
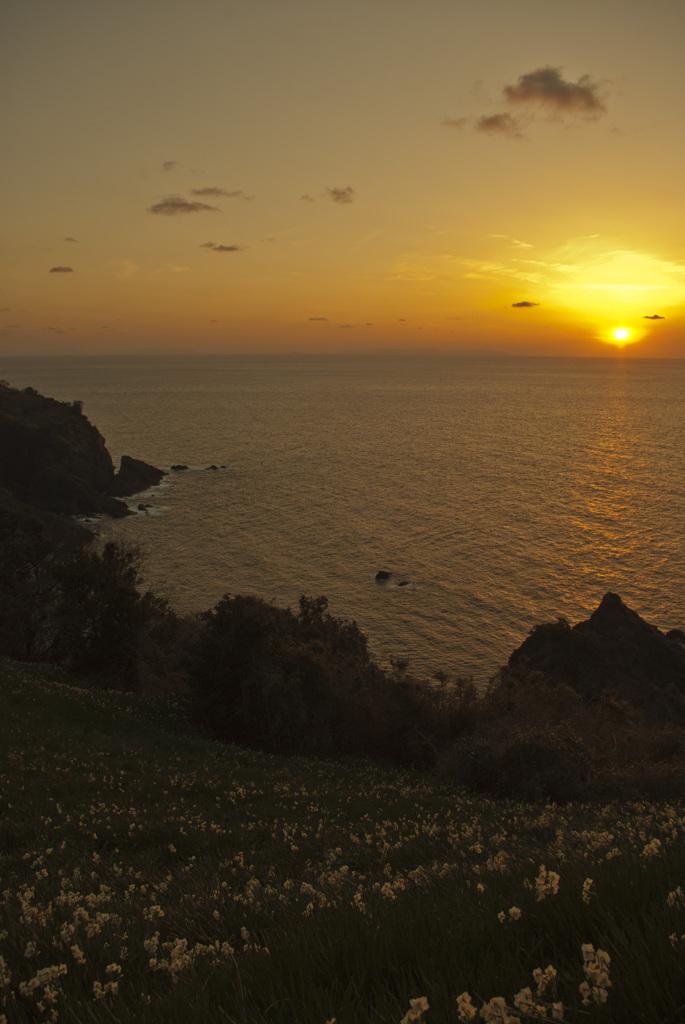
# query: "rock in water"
x,y
614,650
134,476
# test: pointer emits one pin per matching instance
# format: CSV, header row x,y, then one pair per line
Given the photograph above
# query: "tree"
x,y
102,619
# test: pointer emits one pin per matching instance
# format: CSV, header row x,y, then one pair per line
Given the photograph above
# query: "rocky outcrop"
x,y
135,476
54,459
614,650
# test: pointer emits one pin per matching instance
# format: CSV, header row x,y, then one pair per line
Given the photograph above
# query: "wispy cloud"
x,y
213,190
323,318
170,206
222,248
307,198
499,124
515,242
341,195
169,165
69,239
457,122
61,270
524,305
126,268
655,316
545,87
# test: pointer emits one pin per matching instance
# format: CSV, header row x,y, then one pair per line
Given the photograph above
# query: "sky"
x,y
320,176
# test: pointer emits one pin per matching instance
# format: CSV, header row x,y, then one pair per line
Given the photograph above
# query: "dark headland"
x,y
55,461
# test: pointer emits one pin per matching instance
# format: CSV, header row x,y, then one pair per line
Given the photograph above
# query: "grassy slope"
x,y
181,880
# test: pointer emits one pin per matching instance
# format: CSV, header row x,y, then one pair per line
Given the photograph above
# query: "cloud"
x,y
125,268
655,316
172,205
524,305
69,239
61,270
169,165
456,122
499,124
515,242
341,195
324,318
212,190
545,87
222,248
307,198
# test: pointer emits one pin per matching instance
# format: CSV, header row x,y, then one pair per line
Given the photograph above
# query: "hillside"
x,y
151,875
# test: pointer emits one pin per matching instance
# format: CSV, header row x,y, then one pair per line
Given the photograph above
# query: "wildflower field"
x,y
148,875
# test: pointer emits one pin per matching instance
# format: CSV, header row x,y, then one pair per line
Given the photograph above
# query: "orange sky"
x,y
327,176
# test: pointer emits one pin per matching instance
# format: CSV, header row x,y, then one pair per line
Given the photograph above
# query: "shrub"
x,y
27,586
101,620
81,609
526,767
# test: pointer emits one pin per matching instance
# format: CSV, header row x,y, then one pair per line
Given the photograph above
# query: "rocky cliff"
x,y
53,458
614,650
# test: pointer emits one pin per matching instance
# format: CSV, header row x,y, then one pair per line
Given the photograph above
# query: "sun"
x,y
620,335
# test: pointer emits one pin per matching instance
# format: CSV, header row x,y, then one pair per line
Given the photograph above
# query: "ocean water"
x,y
502,492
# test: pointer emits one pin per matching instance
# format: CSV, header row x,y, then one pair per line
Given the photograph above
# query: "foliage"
x,y
81,609
288,682
101,618
27,585
530,738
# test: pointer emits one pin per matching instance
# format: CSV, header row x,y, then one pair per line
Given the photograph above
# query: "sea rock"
x,y
134,476
178,468
614,650
382,574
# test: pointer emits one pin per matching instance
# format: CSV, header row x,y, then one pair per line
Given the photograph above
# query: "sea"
x,y
496,492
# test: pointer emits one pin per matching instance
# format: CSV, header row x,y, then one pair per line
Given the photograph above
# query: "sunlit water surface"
x,y
504,492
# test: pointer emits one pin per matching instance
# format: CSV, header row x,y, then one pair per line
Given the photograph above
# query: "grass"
x,y
147,874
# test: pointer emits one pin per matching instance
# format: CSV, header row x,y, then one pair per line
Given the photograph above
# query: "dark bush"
x,y
102,622
27,586
305,683
79,608
525,767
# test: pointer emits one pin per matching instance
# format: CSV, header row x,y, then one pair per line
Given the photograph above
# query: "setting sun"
x,y
621,334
